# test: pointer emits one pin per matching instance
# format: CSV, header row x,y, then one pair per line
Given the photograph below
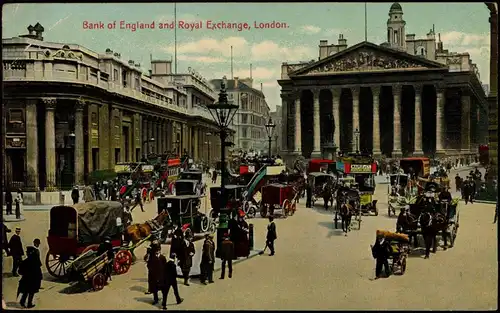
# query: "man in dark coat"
x,y
207,260
8,202
16,251
472,190
271,235
227,256
170,280
381,251
458,182
186,253
155,262
242,246
138,200
177,239
31,280
5,242
75,195
214,176
308,194
465,189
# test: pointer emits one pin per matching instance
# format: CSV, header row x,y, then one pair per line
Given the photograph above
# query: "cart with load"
x,y
184,212
76,229
278,197
90,268
400,248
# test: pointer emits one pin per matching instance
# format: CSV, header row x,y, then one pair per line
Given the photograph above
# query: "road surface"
x,y
315,267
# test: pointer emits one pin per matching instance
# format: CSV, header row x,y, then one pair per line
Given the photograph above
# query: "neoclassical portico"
x,y
398,103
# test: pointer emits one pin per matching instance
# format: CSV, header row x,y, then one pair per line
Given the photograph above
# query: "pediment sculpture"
x,y
364,61
65,54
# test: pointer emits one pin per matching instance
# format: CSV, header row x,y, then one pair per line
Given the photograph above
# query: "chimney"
x,y
236,78
323,43
261,88
31,29
38,28
130,62
440,44
342,41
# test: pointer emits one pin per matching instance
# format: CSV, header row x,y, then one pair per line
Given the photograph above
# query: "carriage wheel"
x,y
285,206
144,194
98,281
204,224
389,209
453,235
403,266
58,265
122,262
376,211
251,211
151,195
294,208
263,210
212,228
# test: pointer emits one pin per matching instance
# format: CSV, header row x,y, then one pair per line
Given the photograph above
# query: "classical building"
x,y
406,96
252,115
278,130
70,111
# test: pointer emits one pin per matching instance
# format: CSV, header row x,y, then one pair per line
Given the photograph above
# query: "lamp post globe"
x,y
222,112
270,130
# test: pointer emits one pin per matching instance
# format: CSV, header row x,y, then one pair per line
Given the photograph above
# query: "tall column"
x,y
396,148
298,135
418,120
376,121
195,144
465,121
336,115
355,118
439,119
50,141
32,143
316,124
284,122
79,158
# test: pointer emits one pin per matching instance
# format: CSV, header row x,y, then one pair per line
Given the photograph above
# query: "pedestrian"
x,y
271,235
75,195
170,281
138,200
458,182
8,202
465,189
242,243
31,280
214,176
88,194
227,256
207,260
5,242
308,194
155,262
381,251
36,245
472,190
187,252
177,239
16,251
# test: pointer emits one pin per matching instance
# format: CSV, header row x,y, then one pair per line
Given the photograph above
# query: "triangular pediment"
x,y
367,57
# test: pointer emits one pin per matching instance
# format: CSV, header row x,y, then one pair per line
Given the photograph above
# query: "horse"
x,y
346,216
137,232
407,223
431,225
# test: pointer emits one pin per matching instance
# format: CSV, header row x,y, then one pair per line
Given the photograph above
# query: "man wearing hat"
x,y
381,251
207,260
75,195
227,256
271,235
170,280
16,251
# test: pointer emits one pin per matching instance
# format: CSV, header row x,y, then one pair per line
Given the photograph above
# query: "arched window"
x,y
421,51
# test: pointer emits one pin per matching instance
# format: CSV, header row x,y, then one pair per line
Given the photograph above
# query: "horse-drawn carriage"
x,y
348,205
76,229
322,185
134,176
234,199
278,197
184,212
396,192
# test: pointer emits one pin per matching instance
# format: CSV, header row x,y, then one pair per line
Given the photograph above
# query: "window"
x,y
124,78
16,116
137,83
244,132
396,36
244,118
115,74
421,51
94,119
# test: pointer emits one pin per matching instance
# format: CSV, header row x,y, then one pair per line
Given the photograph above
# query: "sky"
x,y
208,51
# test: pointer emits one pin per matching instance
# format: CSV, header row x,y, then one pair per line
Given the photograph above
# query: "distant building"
x,y
278,131
252,115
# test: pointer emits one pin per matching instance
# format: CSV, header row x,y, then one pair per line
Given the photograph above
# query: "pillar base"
x,y
397,154
440,153
316,154
377,153
418,153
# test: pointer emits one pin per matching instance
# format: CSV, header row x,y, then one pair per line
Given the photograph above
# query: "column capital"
x,y
336,91
376,90
355,91
50,103
397,89
418,89
316,91
440,88
80,104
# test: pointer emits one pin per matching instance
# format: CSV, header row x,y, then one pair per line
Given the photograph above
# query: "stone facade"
x,y
493,95
387,99
70,111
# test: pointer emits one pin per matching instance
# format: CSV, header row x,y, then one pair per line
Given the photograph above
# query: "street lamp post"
x,y
356,134
270,130
223,113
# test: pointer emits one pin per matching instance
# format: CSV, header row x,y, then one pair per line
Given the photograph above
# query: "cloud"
x,y
269,50
310,29
455,38
210,45
201,59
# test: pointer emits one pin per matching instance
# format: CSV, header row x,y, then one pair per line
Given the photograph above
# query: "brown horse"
x,y
137,232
